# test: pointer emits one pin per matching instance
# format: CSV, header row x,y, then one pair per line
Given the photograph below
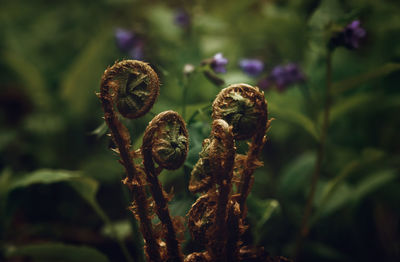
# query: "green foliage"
x,y
52,58
57,252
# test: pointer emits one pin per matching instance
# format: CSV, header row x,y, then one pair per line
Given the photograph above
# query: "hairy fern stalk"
x,y
216,221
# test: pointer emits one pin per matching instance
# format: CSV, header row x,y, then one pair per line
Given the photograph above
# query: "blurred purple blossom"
x,y
128,41
252,67
350,37
282,76
182,18
218,63
124,38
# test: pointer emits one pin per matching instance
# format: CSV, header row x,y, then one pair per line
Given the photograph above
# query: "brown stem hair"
x,y
213,173
223,155
245,108
122,84
166,141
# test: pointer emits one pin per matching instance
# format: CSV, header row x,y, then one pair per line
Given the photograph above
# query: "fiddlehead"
x,y
215,150
169,140
217,159
115,78
133,85
166,141
201,217
223,156
244,107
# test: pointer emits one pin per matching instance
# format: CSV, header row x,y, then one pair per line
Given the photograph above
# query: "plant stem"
x,y
121,138
173,247
304,229
174,254
223,172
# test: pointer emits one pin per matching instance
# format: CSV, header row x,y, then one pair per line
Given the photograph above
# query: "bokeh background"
x,y
61,197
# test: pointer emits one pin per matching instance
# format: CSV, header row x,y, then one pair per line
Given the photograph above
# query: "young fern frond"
x,y
208,216
116,78
223,155
129,88
166,141
245,108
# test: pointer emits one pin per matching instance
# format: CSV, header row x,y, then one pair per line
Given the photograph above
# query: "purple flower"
x,y
283,76
136,51
128,41
350,37
182,18
353,34
219,63
252,67
265,83
124,38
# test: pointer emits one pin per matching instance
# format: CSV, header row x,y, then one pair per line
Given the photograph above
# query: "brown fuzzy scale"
x,y
235,226
250,164
223,156
119,77
201,217
245,108
121,138
155,131
198,257
242,106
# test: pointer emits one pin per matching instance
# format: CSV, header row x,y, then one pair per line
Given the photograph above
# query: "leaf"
x,y
353,82
345,194
100,130
118,229
4,187
369,155
198,131
331,186
4,182
57,252
86,187
35,84
6,137
325,252
348,104
266,208
340,197
260,211
161,20
82,79
197,109
327,12
295,117
44,176
296,176
372,183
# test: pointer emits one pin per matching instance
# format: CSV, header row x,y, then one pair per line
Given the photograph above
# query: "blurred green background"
x,y
61,197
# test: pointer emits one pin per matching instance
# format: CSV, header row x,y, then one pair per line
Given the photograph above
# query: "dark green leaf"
x,y
296,176
57,252
356,81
